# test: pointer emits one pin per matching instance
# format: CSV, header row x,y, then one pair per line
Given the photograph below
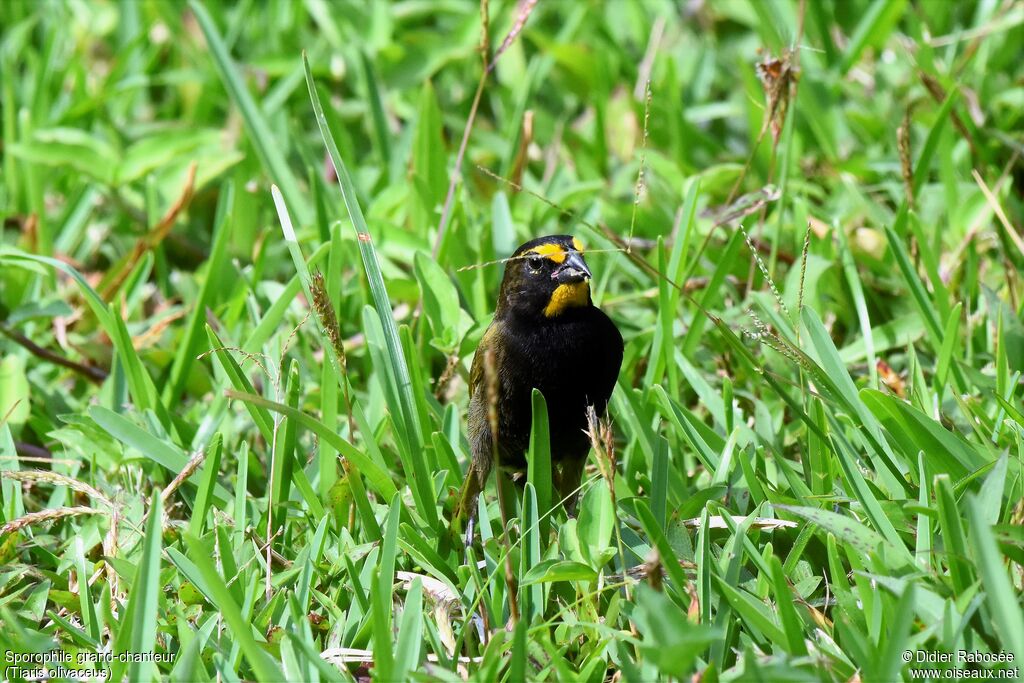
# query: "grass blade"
x,y
539,459
208,480
264,668
186,353
146,592
1003,601
379,480
410,632
267,147
370,262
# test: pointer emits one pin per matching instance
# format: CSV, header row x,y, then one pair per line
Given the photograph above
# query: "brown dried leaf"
x,y
891,378
777,75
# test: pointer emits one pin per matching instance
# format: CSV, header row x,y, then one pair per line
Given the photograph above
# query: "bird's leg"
x,y
466,509
470,529
568,483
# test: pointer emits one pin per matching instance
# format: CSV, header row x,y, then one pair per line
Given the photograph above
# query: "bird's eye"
x,y
536,262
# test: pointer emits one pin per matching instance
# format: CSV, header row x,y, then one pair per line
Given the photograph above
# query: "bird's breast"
x,y
572,361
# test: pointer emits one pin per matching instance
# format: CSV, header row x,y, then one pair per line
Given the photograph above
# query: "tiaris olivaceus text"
x,y
546,334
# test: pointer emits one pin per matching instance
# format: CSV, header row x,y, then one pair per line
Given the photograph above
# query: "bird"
x,y
546,334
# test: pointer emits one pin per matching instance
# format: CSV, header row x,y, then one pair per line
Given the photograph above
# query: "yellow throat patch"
x,y
567,296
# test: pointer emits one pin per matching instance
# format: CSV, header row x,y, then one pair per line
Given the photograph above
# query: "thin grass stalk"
x,y
484,48
799,309
604,449
639,187
329,322
190,467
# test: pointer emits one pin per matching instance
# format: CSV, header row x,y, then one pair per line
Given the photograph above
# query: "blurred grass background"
x,y
816,456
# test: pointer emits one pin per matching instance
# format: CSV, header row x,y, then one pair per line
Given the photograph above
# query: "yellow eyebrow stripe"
x,y
577,245
555,252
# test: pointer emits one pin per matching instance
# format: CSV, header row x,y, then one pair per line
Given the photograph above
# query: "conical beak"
x,y
573,269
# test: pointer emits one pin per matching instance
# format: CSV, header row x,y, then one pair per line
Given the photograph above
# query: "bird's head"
x,y
544,278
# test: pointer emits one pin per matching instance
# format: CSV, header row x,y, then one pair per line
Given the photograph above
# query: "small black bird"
x,y
546,334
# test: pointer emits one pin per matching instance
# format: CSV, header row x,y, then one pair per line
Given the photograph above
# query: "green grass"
x,y
816,459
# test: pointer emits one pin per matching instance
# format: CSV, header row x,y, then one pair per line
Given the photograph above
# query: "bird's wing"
x,y
476,372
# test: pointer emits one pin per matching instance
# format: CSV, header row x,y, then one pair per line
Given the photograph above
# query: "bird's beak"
x,y
573,269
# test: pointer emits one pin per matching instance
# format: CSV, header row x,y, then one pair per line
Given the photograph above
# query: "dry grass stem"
x,y
56,479
46,516
190,467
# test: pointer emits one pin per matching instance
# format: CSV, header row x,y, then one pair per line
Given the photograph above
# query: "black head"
x,y
544,278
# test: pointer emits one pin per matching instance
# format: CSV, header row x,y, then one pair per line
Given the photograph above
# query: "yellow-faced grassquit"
x,y
546,334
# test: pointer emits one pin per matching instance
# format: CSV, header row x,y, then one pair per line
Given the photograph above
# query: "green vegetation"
x,y
816,458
